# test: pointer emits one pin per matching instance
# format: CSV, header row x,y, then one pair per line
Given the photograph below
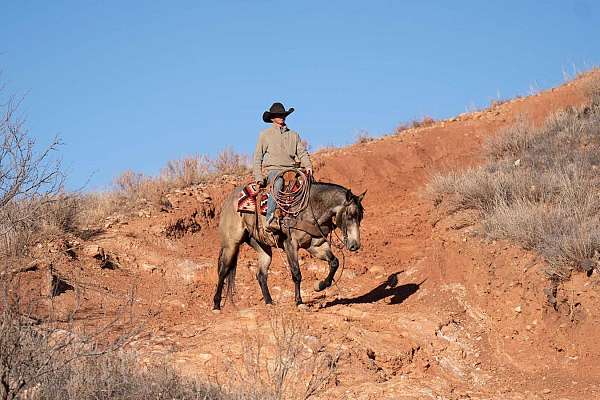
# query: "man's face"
x,y
279,120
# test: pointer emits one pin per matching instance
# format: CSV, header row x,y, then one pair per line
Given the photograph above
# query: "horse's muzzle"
x,y
353,246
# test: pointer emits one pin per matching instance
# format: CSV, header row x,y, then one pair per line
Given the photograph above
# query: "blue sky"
x,y
132,84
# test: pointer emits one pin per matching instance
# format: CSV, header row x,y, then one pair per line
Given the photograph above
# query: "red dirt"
x,y
462,318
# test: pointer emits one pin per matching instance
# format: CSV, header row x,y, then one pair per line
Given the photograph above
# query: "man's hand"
x,y
309,171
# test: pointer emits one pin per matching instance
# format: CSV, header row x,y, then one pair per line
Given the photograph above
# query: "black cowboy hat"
x,y
276,110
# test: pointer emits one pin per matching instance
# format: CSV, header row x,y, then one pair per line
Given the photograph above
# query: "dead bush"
x,y
44,357
187,171
30,179
286,363
363,137
423,122
228,162
416,123
540,187
137,187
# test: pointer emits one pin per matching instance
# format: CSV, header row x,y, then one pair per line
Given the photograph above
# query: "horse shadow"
x,y
389,288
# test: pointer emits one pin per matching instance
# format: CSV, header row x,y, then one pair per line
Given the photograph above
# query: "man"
x,y
278,148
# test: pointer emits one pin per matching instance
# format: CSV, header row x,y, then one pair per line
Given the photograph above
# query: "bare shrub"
x,y
540,187
95,207
29,181
424,122
290,364
41,362
120,375
416,123
228,162
363,137
139,188
187,171
401,128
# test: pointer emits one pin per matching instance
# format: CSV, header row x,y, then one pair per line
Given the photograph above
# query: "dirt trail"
x,y
426,309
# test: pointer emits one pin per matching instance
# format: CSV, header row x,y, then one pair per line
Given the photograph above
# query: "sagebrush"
x,y
540,186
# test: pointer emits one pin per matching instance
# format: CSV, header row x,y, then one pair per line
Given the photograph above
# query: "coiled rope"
x,y
291,201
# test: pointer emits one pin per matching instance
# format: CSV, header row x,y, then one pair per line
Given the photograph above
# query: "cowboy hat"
x,y
276,110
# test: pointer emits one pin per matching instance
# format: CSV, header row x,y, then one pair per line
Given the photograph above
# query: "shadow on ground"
x,y
389,288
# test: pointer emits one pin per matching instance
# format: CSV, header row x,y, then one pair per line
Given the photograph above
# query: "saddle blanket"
x,y
248,198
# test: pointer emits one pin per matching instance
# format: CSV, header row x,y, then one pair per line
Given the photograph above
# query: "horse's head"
x,y
348,219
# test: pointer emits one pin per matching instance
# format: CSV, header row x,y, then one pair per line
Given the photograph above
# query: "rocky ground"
x,y
427,309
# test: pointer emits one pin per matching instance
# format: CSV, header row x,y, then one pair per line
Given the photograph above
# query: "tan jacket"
x,y
279,149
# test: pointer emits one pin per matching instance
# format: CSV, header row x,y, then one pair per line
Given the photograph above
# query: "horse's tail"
x,y
229,263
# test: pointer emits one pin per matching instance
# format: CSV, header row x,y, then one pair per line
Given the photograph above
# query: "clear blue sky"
x,y
132,84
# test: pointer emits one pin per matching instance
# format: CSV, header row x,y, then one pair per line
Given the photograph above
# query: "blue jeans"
x,y
277,186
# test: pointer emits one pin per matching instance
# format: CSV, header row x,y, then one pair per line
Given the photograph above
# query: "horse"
x,y
330,206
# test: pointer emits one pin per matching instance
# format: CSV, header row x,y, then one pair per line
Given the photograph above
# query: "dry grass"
x,y
181,173
39,361
540,187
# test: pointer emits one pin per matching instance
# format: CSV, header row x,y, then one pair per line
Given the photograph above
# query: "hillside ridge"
x,y
426,308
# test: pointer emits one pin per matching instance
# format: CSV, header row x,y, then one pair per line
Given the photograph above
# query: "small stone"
x,y
376,269
518,309
517,163
546,391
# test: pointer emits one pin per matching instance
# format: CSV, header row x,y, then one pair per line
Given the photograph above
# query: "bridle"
x,y
341,222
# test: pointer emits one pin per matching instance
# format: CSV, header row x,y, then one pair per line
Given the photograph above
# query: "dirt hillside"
x,y
427,309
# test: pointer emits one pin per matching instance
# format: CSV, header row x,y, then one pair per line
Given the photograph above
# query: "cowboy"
x,y
278,148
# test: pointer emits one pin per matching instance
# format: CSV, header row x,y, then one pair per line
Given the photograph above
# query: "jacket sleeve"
x,y
302,153
259,152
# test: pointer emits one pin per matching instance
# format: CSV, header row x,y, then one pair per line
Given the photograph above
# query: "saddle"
x,y
252,198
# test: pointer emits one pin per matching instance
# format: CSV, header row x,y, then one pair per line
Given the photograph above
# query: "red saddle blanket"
x,y
249,195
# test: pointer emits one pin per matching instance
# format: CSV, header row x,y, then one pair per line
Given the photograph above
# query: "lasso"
x,y
292,201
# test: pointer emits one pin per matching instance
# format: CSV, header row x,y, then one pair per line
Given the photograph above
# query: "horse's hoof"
x,y
320,286
302,307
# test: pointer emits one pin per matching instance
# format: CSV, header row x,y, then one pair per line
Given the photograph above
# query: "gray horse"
x,y
330,206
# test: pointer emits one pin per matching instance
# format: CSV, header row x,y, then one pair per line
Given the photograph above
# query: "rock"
x,y
518,309
517,163
94,251
187,270
376,269
148,267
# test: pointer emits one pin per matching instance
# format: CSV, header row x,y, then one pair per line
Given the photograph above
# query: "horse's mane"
x,y
320,187
327,185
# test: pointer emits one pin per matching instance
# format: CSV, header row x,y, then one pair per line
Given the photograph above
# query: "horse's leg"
x,y
227,263
323,252
264,260
291,250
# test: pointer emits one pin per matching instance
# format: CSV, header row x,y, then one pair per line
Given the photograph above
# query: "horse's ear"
x,y
361,196
349,196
